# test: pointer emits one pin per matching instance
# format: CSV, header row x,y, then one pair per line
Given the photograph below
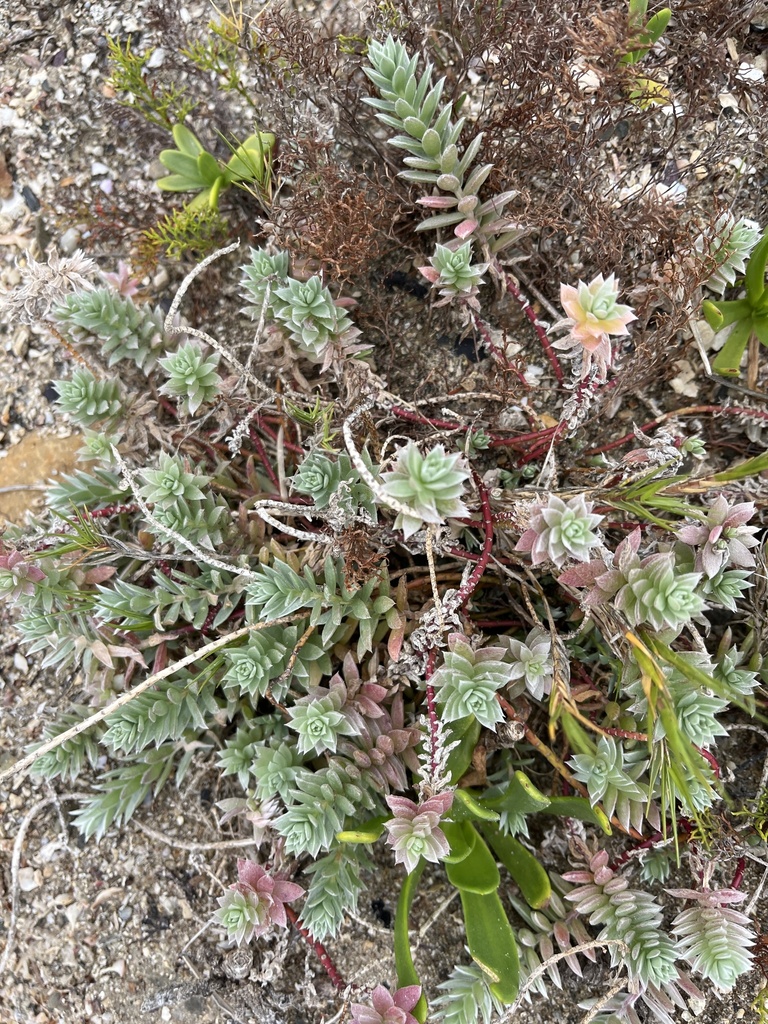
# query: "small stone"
x,y
87,60
125,913
20,663
156,170
160,280
29,879
165,1013
97,168
157,58
69,241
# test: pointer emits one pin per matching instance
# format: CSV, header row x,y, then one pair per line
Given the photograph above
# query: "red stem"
x,y
526,307
319,948
738,876
467,590
417,417
711,760
261,452
693,410
482,328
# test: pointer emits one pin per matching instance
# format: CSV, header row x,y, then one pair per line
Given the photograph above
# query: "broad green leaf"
x,y
186,142
728,360
180,163
208,168
518,796
754,277
492,943
531,877
476,872
404,966
722,314
461,840
579,807
213,197
177,183
466,806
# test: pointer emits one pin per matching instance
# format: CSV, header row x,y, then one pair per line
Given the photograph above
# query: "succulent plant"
x,y
256,902
387,1007
468,681
531,661
18,577
593,315
411,105
192,377
630,915
429,485
86,399
730,246
311,316
414,831
124,330
657,594
454,273
723,538
561,530
611,776
714,938
322,478
265,270
318,720
172,482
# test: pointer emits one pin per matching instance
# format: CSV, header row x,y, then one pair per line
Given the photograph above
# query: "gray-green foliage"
x,y
325,479
69,759
465,995
335,887
281,591
241,750
319,721
166,600
425,130
309,314
306,310
121,790
257,666
123,329
94,489
192,377
166,712
86,399
631,916
261,276
320,803
612,777
276,767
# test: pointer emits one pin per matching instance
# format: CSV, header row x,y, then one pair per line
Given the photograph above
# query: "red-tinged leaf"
x,y
465,229
583,575
99,573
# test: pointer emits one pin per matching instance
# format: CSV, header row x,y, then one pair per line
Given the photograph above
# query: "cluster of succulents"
x,y
388,660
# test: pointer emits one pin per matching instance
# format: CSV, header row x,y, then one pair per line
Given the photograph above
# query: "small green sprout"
x,y
194,169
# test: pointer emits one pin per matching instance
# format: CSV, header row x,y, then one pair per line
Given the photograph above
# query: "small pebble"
x,y
125,913
69,241
20,663
29,879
